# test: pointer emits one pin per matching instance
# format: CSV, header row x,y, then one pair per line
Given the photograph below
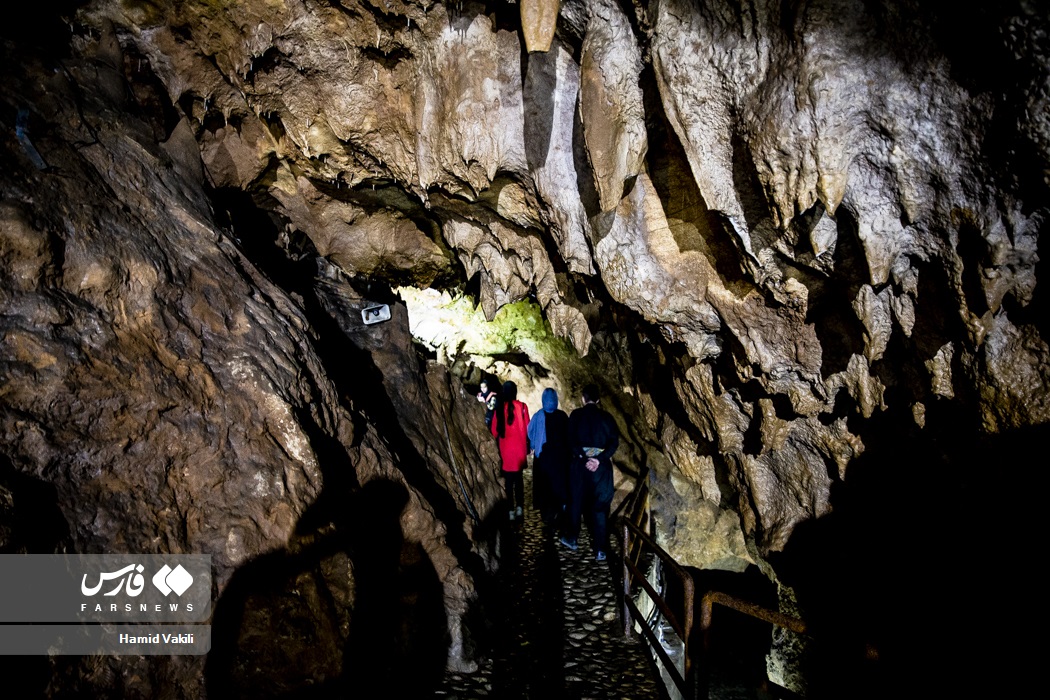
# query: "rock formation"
x,y
797,242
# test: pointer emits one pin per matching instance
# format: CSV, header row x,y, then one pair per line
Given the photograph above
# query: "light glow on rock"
x,y
517,345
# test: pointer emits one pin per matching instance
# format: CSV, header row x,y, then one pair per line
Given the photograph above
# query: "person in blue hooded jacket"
x,y
549,440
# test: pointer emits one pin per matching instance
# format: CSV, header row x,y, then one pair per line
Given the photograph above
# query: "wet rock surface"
x,y
555,626
806,254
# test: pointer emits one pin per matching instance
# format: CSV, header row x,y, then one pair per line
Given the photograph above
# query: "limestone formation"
x,y
797,244
177,400
551,89
538,21
611,102
381,243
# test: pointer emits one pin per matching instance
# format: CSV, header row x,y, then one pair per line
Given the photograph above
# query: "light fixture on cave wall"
x,y
375,314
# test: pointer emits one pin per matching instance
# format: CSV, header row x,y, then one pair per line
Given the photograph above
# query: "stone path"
x,y
555,630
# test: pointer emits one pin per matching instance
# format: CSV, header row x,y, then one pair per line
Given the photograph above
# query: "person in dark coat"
x,y
488,397
593,439
549,440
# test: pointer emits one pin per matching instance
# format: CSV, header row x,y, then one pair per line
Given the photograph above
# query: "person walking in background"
x,y
593,440
487,396
549,441
510,428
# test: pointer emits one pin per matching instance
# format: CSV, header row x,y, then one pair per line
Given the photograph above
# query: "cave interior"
x,y
796,244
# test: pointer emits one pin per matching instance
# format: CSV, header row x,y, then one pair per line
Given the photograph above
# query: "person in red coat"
x,y
510,428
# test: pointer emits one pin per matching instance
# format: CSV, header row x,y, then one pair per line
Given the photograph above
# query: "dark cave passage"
x,y
552,627
905,603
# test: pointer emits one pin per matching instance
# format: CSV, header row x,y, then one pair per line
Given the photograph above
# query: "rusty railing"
x,y
773,617
637,541
637,524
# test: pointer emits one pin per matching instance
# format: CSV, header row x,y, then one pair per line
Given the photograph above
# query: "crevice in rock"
x,y
392,22
149,96
264,63
799,247
752,443
830,309
1037,311
727,380
503,15
843,406
659,377
272,121
973,250
637,14
389,58
584,173
749,191
902,373
694,226
30,520
351,13
937,316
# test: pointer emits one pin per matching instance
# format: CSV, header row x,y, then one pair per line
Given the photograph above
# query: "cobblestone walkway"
x,y
555,630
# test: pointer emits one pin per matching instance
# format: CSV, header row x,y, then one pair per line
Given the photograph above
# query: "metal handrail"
x,y
682,627
635,541
773,617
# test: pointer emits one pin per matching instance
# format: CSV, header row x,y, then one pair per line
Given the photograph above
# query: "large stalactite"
x,y
798,243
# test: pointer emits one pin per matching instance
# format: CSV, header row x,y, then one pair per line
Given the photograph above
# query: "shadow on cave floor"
x,y
552,626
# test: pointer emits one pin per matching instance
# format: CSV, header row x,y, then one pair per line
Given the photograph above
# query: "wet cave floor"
x,y
555,629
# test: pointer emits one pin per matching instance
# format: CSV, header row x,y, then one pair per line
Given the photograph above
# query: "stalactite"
x,y
539,19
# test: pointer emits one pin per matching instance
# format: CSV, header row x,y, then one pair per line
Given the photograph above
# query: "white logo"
x,y
168,580
134,581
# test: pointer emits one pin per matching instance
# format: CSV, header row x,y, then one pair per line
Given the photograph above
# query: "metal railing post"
x,y
627,619
694,682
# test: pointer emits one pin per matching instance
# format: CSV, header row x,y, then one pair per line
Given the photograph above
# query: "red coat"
x,y
514,445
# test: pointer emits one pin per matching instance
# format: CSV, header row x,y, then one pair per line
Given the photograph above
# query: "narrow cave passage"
x,y
545,622
551,622
517,345
553,629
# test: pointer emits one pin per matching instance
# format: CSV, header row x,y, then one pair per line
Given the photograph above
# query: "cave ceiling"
x,y
791,192
770,229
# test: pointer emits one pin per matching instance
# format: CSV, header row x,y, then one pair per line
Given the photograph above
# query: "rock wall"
x,y
803,238
162,393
